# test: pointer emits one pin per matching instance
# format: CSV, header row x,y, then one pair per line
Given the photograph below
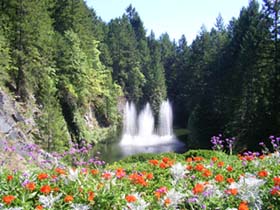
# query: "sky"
x,y
176,17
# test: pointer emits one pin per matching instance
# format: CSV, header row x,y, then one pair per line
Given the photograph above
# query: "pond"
x,y
111,152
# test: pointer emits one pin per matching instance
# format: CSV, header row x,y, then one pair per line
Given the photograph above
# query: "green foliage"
x,y
208,154
5,59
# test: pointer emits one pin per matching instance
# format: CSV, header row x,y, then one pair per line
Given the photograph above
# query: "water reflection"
x,y
114,151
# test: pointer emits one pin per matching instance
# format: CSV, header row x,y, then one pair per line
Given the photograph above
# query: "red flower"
x,y
39,207
68,198
263,173
8,199
46,189
130,198
9,178
276,181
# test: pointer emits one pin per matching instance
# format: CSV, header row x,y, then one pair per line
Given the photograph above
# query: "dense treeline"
x,y
78,68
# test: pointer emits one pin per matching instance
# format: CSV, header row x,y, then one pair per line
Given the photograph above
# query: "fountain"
x,y
140,135
140,131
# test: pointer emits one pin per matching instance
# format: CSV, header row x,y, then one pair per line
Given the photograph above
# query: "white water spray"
x,y
143,132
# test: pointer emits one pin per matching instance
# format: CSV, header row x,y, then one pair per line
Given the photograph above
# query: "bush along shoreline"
x,y
197,179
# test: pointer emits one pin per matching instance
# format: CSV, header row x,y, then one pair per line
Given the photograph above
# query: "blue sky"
x,y
176,17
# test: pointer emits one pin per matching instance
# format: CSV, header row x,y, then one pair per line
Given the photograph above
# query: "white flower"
x,y
178,171
73,174
231,209
48,201
12,208
174,196
76,206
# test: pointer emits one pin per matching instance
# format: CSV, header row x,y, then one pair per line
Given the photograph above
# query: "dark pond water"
x,y
112,152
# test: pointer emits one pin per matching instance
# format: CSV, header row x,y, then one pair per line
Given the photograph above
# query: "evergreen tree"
x,y
155,87
5,59
126,62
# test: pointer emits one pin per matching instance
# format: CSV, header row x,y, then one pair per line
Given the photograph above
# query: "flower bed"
x,y
164,181
198,179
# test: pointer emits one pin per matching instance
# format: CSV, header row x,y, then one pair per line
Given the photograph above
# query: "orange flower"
x,y
207,173
229,168
219,178
106,175
232,191
120,173
39,207
243,206
214,159
165,159
263,173
167,201
189,167
276,181
197,159
60,171
68,198
149,176
9,178
138,179
8,199
157,194
42,176
221,164
30,186
162,165
199,167
198,188
56,189
130,198
230,180
90,196
46,189
94,172
189,159
153,162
